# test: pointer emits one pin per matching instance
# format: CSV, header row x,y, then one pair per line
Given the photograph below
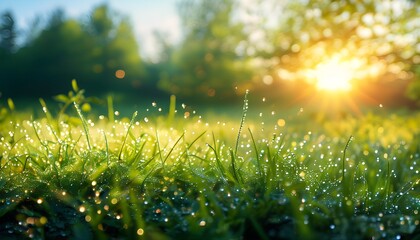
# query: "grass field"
x,y
173,173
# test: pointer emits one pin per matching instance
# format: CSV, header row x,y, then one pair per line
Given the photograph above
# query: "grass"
x,y
75,175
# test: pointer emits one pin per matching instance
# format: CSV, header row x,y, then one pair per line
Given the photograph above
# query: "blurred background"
x,y
288,51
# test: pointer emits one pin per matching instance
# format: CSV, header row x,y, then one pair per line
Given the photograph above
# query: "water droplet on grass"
x,y
140,231
82,209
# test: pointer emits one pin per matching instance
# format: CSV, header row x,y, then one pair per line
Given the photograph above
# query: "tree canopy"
x,y
101,51
378,39
273,48
207,63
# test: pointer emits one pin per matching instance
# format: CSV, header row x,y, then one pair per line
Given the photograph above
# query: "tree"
x,y
8,32
413,91
53,58
116,60
102,54
382,35
207,62
8,35
126,54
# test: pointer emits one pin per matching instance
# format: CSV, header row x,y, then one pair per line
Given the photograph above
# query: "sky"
x,y
146,15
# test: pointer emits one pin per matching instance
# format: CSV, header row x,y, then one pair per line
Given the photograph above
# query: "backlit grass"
x,y
176,174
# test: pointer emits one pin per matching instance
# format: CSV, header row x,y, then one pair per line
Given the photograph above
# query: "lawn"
x,y
174,172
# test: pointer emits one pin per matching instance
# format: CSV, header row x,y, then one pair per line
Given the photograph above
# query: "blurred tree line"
x,y
101,52
228,46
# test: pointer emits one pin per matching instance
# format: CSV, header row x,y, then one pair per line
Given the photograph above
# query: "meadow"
x,y
174,172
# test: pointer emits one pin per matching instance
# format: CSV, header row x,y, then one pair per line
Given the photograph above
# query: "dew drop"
x,y
281,122
140,231
43,220
381,227
82,209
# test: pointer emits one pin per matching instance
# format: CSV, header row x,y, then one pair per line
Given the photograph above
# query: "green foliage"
x,y
8,33
75,96
381,35
115,48
227,46
413,90
207,62
65,48
126,178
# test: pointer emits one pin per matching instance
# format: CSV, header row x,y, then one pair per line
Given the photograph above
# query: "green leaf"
x,y
61,98
86,107
11,104
74,85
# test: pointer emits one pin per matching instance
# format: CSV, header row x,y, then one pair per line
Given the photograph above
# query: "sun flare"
x,y
335,74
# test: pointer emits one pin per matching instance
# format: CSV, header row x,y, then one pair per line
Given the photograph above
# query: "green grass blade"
x,y
172,109
158,146
344,157
172,148
232,162
244,112
84,124
110,109
257,154
218,162
126,135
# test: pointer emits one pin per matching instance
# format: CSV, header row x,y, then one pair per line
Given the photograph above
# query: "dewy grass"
x,y
126,135
110,104
257,155
172,109
346,183
85,125
111,177
244,111
217,157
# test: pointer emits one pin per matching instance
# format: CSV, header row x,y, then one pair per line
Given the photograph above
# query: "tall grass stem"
x,y
84,124
244,111
126,135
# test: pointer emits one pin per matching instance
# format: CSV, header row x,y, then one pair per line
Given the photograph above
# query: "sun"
x,y
335,74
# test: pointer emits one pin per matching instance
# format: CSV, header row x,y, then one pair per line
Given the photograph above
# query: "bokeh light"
x,y
120,74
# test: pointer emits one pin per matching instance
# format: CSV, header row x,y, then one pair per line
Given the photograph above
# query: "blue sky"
x,y
146,15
